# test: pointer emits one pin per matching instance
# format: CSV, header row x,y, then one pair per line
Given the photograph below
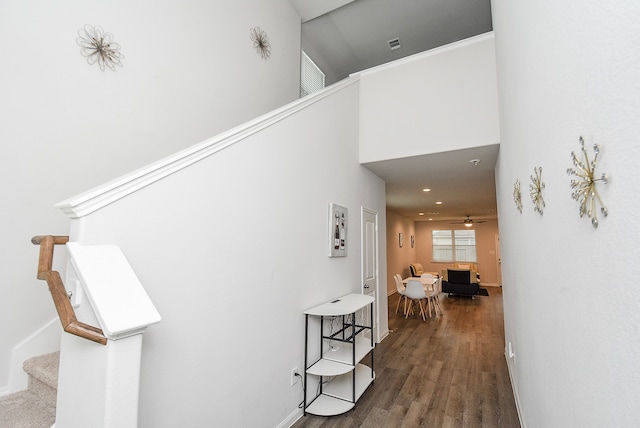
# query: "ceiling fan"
x,y
468,222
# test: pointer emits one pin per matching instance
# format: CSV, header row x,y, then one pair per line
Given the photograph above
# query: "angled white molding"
x,y
101,196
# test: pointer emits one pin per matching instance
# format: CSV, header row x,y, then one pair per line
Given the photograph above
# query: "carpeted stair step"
x,y
24,409
34,407
43,376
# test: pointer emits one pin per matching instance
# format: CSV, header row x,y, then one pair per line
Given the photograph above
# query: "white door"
x,y
370,261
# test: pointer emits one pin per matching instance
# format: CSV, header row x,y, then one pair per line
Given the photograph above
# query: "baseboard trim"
x,y
516,397
291,419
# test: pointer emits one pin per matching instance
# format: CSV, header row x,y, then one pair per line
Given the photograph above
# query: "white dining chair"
x,y
401,291
438,293
433,297
416,294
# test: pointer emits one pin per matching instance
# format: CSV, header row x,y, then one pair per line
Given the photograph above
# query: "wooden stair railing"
x,y
67,315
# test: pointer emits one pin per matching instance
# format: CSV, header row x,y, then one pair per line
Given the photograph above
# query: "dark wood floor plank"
x,y
377,418
445,372
397,415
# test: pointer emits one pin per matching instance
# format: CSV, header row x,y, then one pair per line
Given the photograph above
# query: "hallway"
x,y
447,372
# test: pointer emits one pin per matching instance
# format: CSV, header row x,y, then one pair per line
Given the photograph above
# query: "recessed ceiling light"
x,y
430,219
439,203
420,213
426,190
475,161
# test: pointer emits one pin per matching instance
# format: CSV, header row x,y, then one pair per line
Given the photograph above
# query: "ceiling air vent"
x,y
394,44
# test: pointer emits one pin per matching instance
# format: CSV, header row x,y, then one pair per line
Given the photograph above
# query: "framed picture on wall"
x,y
413,241
338,222
400,239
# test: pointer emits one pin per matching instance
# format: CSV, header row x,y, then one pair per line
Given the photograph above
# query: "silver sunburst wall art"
x,y
99,47
535,189
261,42
517,195
584,186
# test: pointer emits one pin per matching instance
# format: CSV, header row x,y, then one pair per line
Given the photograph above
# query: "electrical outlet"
x,y
294,378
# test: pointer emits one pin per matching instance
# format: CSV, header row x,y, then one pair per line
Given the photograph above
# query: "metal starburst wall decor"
x,y
98,47
517,195
261,42
584,187
535,188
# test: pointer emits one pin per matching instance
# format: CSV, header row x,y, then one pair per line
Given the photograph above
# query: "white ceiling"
x,y
347,36
354,35
463,188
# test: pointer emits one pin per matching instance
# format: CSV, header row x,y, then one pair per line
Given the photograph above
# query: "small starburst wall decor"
x,y
535,189
261,42
584,186
98,47
517,195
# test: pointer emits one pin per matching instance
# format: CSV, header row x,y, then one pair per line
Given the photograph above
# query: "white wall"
x,y
190,71
231,250
571,303
442,100
399,259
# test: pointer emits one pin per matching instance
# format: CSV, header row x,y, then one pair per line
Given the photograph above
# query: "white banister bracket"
x,y
120,303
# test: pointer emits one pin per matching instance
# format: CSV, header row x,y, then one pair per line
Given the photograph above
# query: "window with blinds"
x,y
454,246
311,77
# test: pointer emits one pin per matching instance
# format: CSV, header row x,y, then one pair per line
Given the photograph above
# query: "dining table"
x,y
426,282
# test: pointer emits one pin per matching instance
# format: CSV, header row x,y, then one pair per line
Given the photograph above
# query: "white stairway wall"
x,y
190,71
231,250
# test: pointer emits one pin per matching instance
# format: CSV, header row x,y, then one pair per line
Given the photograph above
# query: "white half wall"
x,y
571,303
231,251
442,100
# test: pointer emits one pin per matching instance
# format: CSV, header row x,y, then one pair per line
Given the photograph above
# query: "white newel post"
x,y
98,384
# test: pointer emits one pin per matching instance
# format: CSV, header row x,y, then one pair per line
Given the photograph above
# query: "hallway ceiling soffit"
x,y
464,188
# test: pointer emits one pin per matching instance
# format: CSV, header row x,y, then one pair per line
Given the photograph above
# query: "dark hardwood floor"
x,y
447,372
